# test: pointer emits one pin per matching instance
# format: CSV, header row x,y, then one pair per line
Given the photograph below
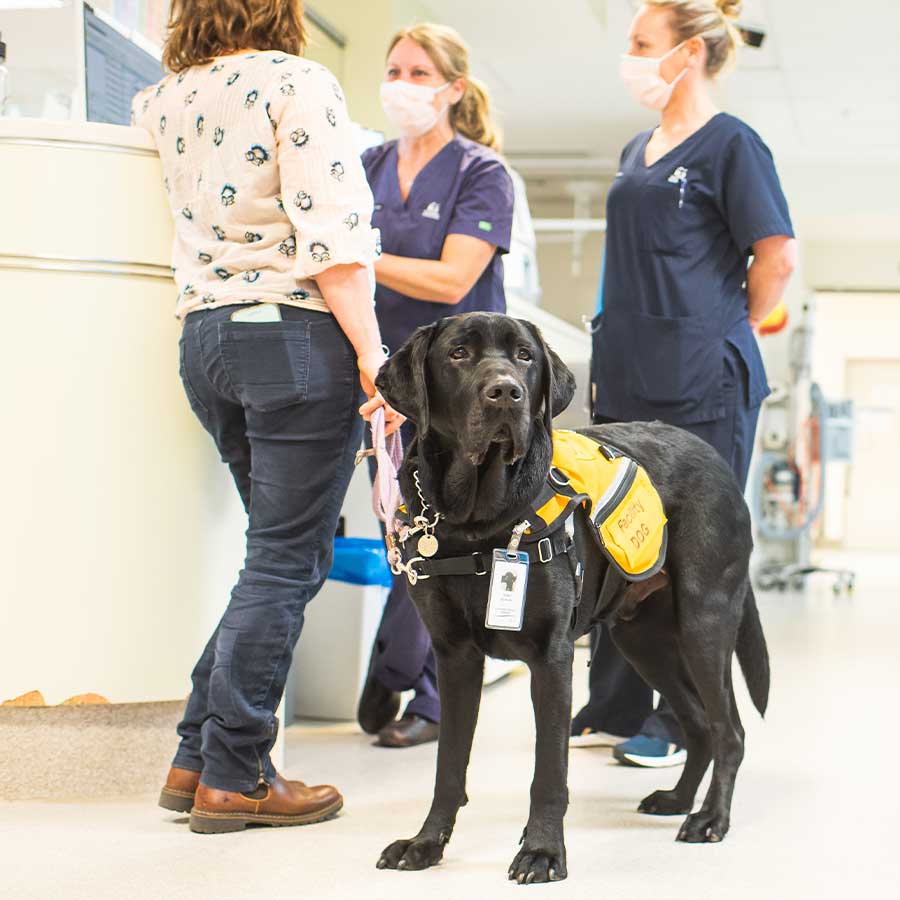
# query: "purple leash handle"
x,y
388,456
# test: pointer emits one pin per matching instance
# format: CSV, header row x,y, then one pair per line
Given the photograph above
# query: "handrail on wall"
x,y
84,266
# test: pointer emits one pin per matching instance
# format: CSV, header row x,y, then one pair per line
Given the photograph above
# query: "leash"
x,y
388,453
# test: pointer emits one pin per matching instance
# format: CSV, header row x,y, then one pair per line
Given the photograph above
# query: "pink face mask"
x,y
643,81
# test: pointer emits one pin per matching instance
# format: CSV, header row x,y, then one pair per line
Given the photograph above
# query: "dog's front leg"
x,y
543,853
460,678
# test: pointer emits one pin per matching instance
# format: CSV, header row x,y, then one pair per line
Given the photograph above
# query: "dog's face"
x,y
481,381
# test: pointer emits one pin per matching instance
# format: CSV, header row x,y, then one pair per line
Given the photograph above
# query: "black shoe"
x,y
408,732
378,706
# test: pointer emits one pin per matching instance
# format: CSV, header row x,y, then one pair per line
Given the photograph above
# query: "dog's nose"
x,y
502,391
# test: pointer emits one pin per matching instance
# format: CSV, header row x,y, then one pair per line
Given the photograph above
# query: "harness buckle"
x,y
411,574
557,476
545,546
478,558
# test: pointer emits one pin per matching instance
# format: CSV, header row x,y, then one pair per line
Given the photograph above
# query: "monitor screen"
x,y
115,70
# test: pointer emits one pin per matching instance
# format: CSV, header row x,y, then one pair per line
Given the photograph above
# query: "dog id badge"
x,y
506,598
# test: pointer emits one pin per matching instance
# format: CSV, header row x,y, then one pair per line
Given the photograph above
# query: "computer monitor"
x,y
115,70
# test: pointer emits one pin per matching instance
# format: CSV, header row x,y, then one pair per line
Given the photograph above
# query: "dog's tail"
x,y
752,653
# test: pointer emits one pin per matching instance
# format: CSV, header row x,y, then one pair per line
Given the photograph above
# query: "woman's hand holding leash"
x,y
392,419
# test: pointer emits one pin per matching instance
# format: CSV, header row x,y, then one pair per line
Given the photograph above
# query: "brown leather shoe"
x,y
178,792
279,803
180,787
408,731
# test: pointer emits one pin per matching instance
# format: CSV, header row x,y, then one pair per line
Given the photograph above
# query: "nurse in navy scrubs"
x,y
444,204
695,199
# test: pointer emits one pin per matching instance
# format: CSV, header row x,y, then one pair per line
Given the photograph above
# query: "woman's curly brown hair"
x,y
200,30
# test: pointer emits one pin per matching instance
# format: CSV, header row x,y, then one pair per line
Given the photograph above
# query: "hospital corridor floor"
x,y
815,810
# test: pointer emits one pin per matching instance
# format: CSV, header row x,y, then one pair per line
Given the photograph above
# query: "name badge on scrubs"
x,y
506,598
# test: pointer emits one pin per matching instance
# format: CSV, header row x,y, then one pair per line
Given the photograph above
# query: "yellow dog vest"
x,y
624,505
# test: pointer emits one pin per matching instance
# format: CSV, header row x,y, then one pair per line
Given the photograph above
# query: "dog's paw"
x,y
704,828
537,867
664,803
415,854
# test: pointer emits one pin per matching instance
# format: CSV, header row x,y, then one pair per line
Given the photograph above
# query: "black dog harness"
x,y
551,540
417,568
623,507
627,513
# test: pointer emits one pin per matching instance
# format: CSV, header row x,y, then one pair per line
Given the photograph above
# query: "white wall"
x,y
849,326
121,531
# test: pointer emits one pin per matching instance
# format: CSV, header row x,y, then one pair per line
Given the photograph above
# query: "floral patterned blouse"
x,y
264,181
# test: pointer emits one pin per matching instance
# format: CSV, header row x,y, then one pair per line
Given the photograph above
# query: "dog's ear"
x,y
558,382
403,379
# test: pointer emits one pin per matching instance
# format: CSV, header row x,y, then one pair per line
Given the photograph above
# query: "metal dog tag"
x,y
427,545
506,599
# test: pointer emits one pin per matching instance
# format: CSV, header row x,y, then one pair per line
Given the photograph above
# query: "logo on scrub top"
x,y
432,211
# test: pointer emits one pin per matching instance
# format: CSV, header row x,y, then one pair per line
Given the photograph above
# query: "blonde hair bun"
x,y
711,19
731,9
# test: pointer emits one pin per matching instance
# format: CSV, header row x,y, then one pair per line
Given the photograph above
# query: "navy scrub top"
x,y
679,238
464,189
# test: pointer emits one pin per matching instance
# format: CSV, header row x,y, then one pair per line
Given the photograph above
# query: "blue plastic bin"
x,y
360,561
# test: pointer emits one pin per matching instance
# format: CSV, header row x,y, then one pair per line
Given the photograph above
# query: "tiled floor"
x,y
814,814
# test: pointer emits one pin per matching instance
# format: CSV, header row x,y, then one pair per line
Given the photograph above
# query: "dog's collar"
x,y
552,542
552,538
418,568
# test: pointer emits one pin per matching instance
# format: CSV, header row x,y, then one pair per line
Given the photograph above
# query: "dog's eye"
x,y
459,353
524,354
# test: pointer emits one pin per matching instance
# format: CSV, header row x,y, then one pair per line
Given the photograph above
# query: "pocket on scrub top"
x,y
676,361
267,362
664,221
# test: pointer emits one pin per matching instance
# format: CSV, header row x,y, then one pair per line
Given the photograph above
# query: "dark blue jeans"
x,y
280,400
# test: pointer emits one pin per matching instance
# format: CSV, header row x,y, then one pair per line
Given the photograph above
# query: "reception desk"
x,y
121,532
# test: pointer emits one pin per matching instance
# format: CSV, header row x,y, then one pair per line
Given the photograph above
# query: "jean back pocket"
x,y
267,362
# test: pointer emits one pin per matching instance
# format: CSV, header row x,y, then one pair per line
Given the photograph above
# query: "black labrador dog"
x,y
483,389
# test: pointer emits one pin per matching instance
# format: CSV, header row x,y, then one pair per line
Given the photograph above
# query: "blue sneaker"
x,y
649,752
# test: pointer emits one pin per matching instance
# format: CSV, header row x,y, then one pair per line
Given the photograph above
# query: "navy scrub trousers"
x,y
619,698
280,400
464,189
